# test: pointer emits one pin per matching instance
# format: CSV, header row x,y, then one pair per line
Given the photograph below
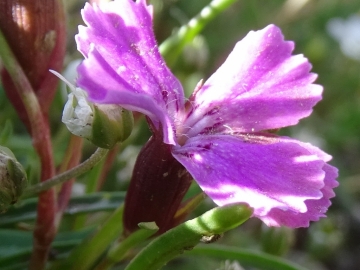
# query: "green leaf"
x,y
16,246
6,132
119,249
185,236
101,201
90,250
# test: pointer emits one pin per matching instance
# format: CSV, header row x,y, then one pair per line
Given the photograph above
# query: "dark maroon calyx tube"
x,y
158,185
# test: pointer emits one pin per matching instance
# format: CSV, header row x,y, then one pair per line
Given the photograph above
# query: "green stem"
x,y
252,258
118,251
187,235
75,172
173,46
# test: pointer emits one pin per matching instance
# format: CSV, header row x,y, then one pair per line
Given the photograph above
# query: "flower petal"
x,y
272,174
123,65
316,208
260,86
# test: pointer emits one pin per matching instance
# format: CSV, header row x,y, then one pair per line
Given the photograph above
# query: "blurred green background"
x,y
332,243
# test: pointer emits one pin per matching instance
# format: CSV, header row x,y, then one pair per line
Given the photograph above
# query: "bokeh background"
x,y
327,32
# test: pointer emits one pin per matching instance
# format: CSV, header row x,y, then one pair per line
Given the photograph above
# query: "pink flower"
x,y
220,136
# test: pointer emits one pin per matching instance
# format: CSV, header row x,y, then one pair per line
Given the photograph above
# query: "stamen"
x,y
61,77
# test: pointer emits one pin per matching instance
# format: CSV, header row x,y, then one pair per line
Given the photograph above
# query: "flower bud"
x,y
13,179
36,32
104,125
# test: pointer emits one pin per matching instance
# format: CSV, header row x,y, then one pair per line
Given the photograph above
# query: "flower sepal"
x,y
112,124
13,179
160,183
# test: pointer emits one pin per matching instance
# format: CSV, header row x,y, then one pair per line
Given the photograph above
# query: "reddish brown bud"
x,y
157,187
35,32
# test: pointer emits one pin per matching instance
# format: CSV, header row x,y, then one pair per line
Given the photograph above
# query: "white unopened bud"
x,y
78,114
102,124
